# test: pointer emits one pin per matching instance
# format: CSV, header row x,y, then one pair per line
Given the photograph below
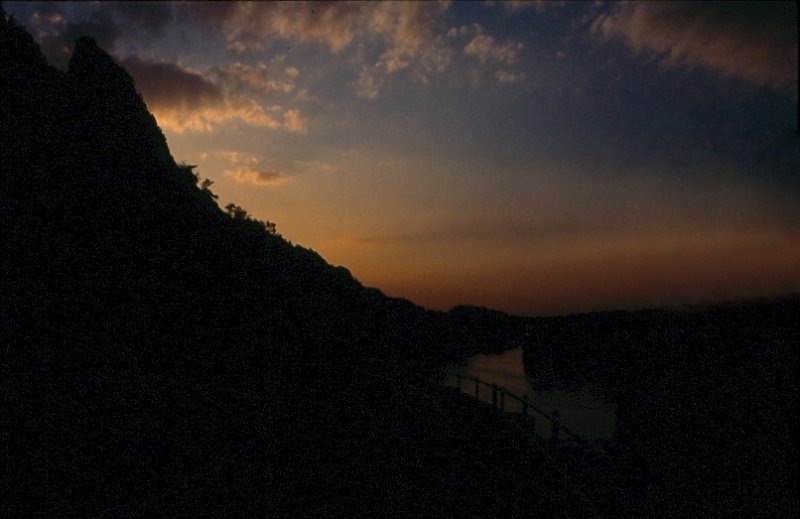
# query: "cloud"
x,y
294,121
369,84
402,35
332,24
505,77
181,100
313,167
377,39
484,48
166,85
538,5
248,111
255,176
145,19
755,42
487,51
259,78
184,100
410,27
249,26
247,168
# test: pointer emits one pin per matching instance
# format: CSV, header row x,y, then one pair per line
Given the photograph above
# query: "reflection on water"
x,y
581,411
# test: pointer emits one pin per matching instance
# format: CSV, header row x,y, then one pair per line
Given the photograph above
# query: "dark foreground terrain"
x,y
163,357
706,401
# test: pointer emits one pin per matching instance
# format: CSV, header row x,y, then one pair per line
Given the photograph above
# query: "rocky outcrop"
x,y
110,114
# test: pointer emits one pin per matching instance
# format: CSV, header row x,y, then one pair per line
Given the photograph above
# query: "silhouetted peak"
x,y
87,45
93,67
113,109
16,44
3,18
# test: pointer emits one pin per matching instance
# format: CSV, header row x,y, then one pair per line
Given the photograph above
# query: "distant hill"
x,y
706,401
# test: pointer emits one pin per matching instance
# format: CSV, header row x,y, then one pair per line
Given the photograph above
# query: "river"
x,y
583,411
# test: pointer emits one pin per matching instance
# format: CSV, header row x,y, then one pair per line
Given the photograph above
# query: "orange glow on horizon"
x,y
611,278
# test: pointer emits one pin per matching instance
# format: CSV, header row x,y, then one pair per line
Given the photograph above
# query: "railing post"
x,y
529,409
554,432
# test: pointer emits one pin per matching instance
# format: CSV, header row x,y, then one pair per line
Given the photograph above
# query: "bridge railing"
x,y
500,396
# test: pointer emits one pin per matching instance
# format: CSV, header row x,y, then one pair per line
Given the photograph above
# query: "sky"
x,y
534,157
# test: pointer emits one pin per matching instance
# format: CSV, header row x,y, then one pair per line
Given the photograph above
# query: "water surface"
x,y
583,411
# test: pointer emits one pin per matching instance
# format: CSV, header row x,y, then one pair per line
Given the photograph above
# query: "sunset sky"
x,y
537,158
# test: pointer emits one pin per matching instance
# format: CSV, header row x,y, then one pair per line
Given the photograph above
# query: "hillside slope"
x,y
162,357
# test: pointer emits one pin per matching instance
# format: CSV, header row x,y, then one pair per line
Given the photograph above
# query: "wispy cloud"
x,y
756,42
258,177
538,5
247,168
401,35
504,76
484,48
488,52
368,84
248,26
313,167
259,78
294,121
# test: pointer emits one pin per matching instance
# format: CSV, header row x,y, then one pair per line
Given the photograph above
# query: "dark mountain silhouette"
x,y
164,357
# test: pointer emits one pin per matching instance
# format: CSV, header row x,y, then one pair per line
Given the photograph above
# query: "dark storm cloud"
x,y
182,100
168,86
754,41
